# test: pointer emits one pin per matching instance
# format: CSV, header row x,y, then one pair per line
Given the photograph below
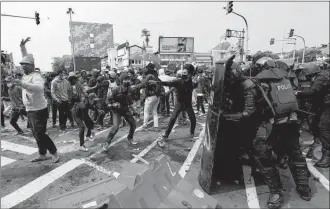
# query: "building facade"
x,y
223,51
91,39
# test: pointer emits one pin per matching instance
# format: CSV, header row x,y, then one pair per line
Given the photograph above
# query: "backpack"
x,y
280,98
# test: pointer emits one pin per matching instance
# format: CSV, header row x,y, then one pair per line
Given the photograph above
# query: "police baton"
x,y
308,113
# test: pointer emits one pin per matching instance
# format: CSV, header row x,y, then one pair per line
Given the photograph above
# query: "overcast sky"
x,y
205,21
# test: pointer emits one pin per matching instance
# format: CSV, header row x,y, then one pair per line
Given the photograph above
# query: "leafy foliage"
x,y
64,63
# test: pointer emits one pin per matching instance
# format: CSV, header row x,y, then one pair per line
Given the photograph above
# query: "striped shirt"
x,y
60,89
15,95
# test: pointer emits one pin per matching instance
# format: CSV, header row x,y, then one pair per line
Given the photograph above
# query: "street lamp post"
x,y
70,12
303,58
247,33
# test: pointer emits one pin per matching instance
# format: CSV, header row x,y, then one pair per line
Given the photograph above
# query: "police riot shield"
x,y
211,148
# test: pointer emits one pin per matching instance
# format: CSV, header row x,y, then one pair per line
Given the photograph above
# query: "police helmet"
x,y
266,62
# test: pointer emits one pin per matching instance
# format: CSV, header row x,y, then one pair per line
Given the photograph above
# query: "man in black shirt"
x,y
119,102
184,88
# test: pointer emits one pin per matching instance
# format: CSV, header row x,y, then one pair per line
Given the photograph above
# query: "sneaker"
x,y
83,148
100,128
105,147
162,142
191,135
92,134
156,129
89,138
19,133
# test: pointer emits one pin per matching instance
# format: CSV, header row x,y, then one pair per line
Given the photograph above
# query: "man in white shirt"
x,y
35,102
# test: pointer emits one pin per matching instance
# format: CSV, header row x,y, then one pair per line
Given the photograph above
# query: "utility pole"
x,y
294,46
70,12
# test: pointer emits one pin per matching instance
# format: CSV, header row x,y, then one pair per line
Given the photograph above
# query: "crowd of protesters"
x,y
85,98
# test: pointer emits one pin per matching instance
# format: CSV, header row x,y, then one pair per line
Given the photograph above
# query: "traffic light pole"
x,y
18,16
303,58
247,33
72,41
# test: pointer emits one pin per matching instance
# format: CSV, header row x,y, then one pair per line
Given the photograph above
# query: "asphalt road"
x,y
29,185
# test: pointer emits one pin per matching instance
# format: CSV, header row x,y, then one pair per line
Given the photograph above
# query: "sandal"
x,y
39,159
56,158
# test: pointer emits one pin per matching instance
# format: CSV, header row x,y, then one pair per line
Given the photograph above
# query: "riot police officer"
x,y
321,90
284,136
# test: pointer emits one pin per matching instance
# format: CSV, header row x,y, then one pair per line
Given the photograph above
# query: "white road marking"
x,y
6,161
118,140
38,184
250,188
27,138
148,148
185,167
97,167
323,180
18,148
91,204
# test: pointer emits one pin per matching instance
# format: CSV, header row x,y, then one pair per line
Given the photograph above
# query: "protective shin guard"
x,y
301,175
273,181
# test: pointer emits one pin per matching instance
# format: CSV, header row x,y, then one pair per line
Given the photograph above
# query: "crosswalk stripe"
x,y
18,148
187,163
250,188
6,161
323,180
38,184
147,149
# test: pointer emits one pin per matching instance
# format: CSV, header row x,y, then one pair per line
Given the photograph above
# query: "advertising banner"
x,y
176,44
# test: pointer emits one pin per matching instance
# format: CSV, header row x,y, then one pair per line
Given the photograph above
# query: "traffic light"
x,y
37,18
291,33
228,33
272,40
229,7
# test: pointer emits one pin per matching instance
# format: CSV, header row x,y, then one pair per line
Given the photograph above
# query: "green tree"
x,y
64,63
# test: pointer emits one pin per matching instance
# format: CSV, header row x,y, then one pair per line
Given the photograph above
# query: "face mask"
x,y
27,69
9,85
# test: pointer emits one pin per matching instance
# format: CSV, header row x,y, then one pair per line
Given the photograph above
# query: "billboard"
x,y
88,63
176,44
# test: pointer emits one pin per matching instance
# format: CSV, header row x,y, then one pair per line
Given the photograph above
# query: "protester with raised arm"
x,y
35,102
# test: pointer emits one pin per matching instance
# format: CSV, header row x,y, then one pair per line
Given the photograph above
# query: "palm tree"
x,y
146,33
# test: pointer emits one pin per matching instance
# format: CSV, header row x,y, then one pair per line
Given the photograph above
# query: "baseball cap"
x,y
28,59
72,74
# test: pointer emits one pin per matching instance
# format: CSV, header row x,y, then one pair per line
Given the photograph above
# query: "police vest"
x,y
282,97
303,85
